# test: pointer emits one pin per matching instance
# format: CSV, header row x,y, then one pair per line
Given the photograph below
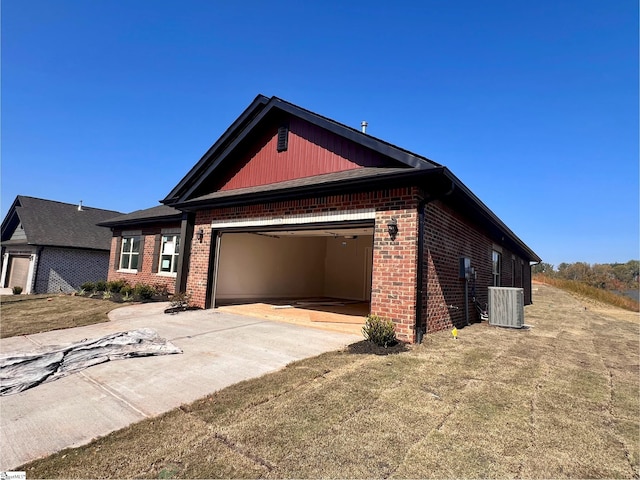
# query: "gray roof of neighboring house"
x,y
161,213
52,223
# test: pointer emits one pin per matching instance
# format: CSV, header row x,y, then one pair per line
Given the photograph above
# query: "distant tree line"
x,y
608,276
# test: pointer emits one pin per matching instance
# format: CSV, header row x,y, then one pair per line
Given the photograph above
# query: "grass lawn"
x,y
558,400
27,314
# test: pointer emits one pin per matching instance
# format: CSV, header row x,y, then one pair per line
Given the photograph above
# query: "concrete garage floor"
x,y
220,349
326,314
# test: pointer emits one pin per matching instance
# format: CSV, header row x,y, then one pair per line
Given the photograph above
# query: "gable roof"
x,y
52,223
261,111
405,168
160,213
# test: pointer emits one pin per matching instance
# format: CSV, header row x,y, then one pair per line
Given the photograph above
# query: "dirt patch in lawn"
x,y
28,314
558,400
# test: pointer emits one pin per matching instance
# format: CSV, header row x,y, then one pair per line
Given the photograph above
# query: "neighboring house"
x,y
53,247
145,247
291,204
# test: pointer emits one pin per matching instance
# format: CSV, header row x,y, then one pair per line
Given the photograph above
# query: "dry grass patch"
x,y
559,400
29,314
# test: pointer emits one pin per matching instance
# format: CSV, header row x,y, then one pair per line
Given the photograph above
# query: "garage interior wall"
x,y
255,266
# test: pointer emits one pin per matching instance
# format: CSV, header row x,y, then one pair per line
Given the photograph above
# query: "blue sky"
x,y
533,105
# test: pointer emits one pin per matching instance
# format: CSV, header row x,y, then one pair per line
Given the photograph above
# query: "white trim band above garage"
x,y
322,217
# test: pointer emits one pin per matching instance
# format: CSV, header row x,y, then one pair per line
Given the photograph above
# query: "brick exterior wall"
x,y
65,269
147,272
448,236
393,291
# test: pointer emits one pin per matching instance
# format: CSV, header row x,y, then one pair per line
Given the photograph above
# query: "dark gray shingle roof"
x,y
153,214
51,223
315,180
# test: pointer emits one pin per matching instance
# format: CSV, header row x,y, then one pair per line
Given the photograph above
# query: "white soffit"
x,y
322,217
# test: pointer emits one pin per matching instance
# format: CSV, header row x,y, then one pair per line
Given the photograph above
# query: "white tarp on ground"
x,y
23,371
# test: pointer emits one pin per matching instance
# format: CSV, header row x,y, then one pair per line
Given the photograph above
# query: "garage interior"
x,y
319,277
18,272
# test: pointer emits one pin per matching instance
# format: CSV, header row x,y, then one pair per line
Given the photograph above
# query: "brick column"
x,y
393,293
199,259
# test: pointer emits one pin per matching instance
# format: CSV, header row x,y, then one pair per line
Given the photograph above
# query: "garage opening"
x,y
320,276
18,272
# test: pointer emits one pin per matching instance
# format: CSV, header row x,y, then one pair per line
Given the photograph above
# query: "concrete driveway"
x,y
220,349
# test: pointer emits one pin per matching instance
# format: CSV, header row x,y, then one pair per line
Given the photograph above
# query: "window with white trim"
x,y
130,253
169,251
496,258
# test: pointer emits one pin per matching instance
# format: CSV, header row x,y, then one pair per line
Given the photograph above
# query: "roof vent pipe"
x,y
80,206
364,126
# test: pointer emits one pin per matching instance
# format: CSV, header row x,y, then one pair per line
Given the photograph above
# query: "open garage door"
x,y
323,265
18,273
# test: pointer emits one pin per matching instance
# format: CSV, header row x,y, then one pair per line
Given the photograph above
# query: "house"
x,y
290,204
53,247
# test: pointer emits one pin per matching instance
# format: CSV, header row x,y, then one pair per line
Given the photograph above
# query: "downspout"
x,y
186,237
419,332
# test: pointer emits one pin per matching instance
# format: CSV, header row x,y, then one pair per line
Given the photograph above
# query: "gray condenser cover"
x,y
506,307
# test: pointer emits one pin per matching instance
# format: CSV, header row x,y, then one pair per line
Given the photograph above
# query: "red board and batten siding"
x,y
311,151
393,292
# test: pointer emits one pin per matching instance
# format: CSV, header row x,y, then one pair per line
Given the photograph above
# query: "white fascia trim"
x,y
333,216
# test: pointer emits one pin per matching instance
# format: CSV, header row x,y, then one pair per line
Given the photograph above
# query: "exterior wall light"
x,y
200,235
392,228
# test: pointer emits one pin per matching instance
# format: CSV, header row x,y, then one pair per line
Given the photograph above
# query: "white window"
x,y
496,261
169,250
130,253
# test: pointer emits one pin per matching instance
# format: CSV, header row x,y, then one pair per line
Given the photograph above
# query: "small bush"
x,y
126,290
380,331
180,300
101,286
144,291
115,286
17,290
88,286
161,289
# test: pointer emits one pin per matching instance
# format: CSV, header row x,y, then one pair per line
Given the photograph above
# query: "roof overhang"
x,y
321,185
436,182
141,221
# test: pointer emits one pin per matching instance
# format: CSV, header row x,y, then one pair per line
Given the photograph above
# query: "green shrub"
x,y
88,286
126,290
144,291
379,330
161,289
17,290
180,300
114,286
101,286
